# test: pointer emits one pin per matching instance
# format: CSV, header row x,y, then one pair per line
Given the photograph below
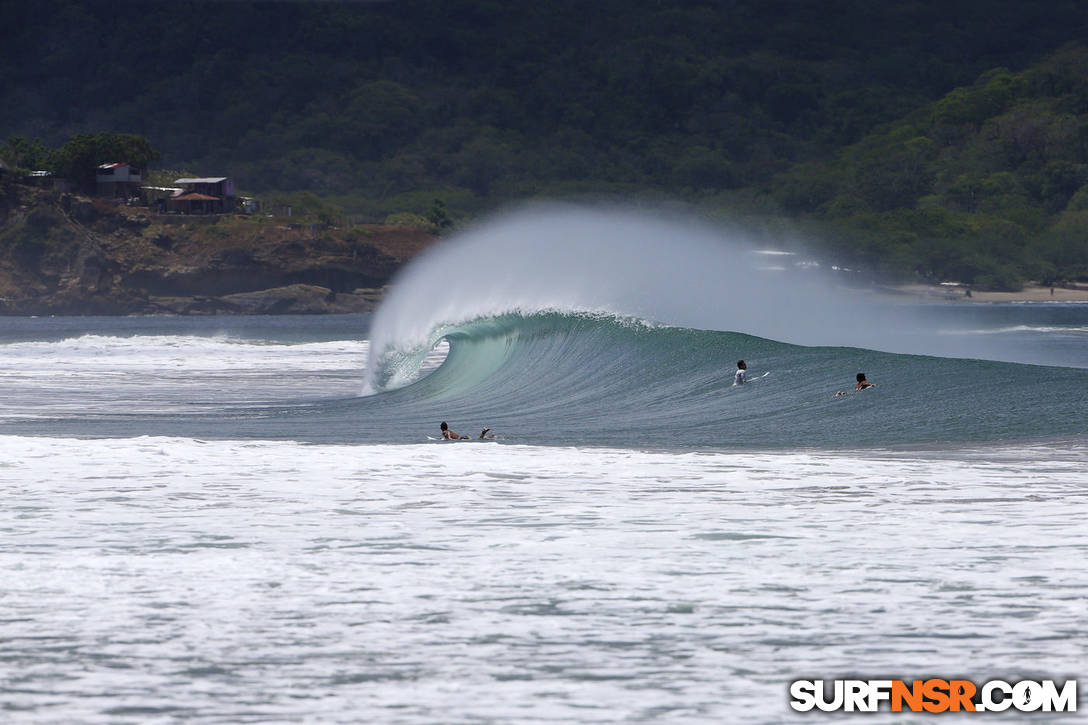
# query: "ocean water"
x,y
234,520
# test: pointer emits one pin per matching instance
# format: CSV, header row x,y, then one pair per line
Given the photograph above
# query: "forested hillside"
x,y
808,110
988,185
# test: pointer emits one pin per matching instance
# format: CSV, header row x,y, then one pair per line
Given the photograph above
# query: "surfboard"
x,y
750,381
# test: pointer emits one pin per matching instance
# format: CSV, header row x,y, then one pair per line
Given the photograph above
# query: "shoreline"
x,y
1030,293
300,299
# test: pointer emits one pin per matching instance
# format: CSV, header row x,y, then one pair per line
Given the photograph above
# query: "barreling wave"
x,y
398,367
632,264
573,325
607,380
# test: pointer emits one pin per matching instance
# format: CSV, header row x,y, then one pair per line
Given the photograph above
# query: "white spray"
x,y
657,267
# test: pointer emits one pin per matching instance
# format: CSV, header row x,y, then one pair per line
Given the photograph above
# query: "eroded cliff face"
x,y
66,254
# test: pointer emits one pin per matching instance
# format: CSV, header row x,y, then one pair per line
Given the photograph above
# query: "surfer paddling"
x,y
741,376
862,385
450,435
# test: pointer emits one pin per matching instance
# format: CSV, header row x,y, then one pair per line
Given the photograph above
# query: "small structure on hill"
x,y
47,180
117,180
42,179
211,195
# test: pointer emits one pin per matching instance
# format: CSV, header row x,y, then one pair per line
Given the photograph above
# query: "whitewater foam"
x,y
1038,329
110,374
232,581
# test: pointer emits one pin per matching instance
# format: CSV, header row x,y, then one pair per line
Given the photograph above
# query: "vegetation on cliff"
x,y
926,140
67,254
988,185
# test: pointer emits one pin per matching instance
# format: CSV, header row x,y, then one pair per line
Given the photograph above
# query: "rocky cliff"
x,y
66,254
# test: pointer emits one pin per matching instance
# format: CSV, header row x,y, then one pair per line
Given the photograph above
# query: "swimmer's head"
x,y
861,377
741,365
444,426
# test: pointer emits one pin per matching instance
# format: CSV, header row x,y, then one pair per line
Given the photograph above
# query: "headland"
x,y
64,254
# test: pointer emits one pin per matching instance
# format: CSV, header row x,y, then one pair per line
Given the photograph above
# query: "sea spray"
x,y
625,262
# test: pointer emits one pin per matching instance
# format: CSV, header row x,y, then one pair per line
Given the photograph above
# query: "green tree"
x,y
78,159
166,177
23,153
438,215
974,104
1063,245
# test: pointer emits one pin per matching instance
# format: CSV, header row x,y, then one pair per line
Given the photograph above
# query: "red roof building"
x,y
117,180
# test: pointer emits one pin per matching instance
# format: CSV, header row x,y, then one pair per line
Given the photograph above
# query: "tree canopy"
x,y
78,159
986,185
861,120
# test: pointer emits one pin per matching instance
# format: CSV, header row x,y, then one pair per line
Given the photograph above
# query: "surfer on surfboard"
x,y
450,435
862,385
741,376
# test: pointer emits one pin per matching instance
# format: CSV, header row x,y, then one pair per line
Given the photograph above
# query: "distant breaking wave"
x,y
1038,329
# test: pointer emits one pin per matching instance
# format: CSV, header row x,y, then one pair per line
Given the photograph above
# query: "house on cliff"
x,y
211,195
117,181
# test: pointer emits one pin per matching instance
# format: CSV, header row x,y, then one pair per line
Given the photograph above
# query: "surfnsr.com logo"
x,y
933,695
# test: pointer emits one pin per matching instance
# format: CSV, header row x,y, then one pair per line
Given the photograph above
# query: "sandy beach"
x,y
1030,293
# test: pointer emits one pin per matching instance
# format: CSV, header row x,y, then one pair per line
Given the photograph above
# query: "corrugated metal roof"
x,y
209,180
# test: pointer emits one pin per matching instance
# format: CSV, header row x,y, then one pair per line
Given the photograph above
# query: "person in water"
x,y
484,434
741,376
862,385
450,435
